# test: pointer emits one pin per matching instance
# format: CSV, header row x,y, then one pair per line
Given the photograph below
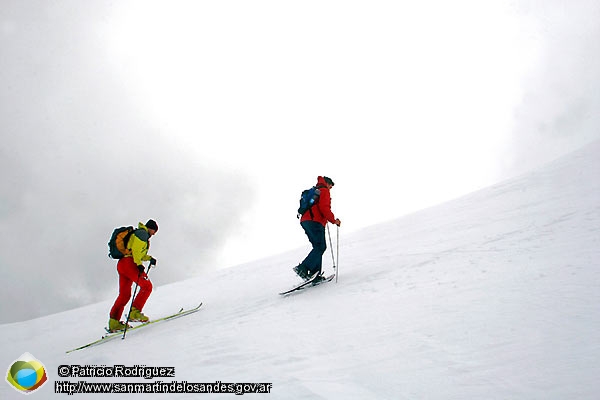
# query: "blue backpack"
x,y
309,198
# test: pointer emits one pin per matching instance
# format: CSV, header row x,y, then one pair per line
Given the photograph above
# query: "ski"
x,y
309,283
301,285
111,335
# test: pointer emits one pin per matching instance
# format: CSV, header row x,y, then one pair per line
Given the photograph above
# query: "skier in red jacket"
x,y
313,222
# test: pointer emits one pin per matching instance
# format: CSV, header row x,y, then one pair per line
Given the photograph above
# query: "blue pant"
x,y
316,235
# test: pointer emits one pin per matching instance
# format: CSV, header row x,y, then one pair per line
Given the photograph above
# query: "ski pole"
x,y
331,247
131,306
337,245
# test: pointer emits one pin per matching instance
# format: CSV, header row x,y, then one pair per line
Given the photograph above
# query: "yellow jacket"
x,y
139,243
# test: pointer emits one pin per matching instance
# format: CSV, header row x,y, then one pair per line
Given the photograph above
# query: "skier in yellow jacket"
x,y
131,269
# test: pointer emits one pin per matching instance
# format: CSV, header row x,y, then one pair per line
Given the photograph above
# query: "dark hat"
x,y
151,224
328,181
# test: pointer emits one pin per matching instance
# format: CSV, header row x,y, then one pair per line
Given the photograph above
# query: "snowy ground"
x,y
495,295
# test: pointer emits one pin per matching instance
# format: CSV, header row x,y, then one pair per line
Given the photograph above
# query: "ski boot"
x,y
137,316
303,274
319,278
114,325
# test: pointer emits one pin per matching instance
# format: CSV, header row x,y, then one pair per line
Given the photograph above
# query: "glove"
x,y
152,261
141,268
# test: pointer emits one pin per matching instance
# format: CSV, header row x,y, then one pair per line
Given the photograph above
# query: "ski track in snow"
x,y
491,296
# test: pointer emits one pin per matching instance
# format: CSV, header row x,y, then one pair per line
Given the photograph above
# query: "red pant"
x,y
128,275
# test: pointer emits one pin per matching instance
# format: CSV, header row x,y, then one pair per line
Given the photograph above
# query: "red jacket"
x,y
322,210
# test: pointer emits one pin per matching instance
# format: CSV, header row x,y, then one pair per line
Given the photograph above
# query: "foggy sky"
x,y
558,109
79,159
411,112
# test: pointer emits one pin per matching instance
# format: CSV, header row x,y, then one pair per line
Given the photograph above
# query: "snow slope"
x,y
494,295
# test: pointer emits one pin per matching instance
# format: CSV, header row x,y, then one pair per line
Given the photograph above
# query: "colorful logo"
x,y
26,374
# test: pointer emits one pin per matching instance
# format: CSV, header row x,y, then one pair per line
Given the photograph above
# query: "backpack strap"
x,y
127,237
318,187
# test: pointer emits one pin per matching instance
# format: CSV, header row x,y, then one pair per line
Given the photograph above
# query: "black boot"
x,y
319,278
301,272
